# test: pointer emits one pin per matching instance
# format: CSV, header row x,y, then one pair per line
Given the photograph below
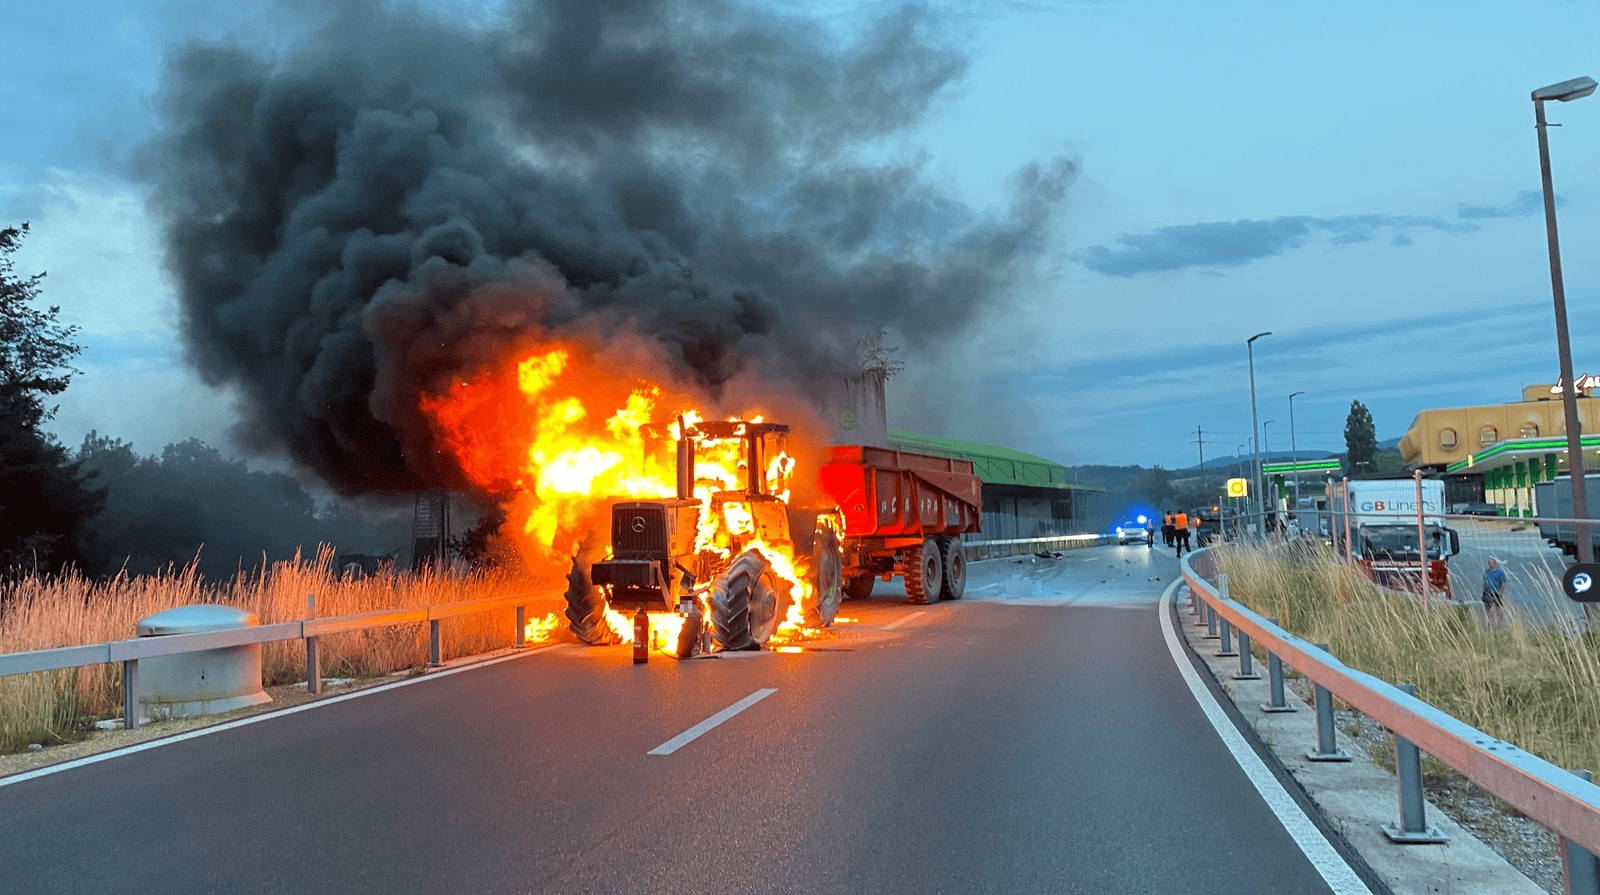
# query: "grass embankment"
x,y
1536,686
42,612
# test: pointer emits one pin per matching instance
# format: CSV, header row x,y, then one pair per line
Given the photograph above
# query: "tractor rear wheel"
x,y
924,572
586,609
859,587
744,604
827,573
955,568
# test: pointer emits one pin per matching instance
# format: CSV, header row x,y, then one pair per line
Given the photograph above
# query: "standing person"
x,y
1194,528
1494,592
1180,529
1166,530
1149,532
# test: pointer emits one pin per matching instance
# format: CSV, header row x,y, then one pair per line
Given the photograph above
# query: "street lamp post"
x,y
1294,457
1266,486
1566,91
1249,347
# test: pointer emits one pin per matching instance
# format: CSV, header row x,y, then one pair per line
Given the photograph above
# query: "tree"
x,y
1360,440
46,501
878,358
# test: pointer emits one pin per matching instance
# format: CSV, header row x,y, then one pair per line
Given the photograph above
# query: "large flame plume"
x,y
562,431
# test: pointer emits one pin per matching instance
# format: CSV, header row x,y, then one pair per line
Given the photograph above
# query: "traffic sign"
x,y
1582,582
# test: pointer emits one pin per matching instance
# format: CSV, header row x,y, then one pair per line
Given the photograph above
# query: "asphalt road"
x,y
1015,741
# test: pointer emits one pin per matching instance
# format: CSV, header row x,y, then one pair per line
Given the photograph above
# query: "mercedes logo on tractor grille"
x,y
638,525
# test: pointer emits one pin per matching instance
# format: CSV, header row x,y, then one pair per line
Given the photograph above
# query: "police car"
x,y
1133,531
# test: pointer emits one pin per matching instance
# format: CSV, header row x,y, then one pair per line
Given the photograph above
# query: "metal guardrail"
x,y
129,652
1562,801
980,550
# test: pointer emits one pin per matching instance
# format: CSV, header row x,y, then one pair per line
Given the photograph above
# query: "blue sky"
x,y
1361,180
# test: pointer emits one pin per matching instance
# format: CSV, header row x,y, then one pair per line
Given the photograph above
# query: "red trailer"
x,y
904,514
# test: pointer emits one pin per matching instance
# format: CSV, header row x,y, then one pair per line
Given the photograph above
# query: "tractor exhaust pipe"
x,y
685,462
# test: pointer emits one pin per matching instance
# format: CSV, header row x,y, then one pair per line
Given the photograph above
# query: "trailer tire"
x,y
955,568
744,604
827,580
924,572
586,609
859,587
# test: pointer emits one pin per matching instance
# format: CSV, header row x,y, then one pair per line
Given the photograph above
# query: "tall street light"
x,y
1266,486
1249,347
1566,91
1294,457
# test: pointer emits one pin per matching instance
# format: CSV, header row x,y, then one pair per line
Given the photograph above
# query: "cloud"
x,y
1236,243
1527,203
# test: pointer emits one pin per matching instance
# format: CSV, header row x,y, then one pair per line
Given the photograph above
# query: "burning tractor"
x,y
721,565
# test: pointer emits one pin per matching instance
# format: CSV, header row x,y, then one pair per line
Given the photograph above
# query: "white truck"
x,y
1382,526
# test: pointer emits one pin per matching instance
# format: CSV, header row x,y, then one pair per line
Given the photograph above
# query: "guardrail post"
x,y
1580,871
1211,623
522,626
1413,828
130,694
433,643
1327,746
1246,672
313,659
1275,680
1227,641
1227,627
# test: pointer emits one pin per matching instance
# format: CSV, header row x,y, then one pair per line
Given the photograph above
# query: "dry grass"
x,y
42,612
1536,686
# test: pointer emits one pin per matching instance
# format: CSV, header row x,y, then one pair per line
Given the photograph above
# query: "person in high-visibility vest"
x,y
1180,528
1167,532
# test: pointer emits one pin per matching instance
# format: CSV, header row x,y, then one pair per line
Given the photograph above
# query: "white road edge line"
x,y
898,622
264,716
1335,871
704,727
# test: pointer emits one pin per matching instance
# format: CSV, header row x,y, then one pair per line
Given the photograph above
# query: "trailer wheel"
x,y
744,604
586,609
859,587
924,572
955,568
827,564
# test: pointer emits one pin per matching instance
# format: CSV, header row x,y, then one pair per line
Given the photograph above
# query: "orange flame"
x,y
558,435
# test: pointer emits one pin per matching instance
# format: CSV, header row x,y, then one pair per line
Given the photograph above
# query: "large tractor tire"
x,y
859,587
924,572
827,580
744,604
955,568
586,609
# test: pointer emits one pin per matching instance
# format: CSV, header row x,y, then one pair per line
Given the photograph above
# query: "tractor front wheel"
x,y
827,573
586,609
744,604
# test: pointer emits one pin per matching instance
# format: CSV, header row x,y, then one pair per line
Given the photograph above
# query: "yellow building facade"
x,y
1497,453
1439,439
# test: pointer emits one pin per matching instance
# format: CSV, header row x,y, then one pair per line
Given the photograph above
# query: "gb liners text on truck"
x,y
1381,520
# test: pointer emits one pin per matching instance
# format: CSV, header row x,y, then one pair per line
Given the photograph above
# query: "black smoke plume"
x,y
398,201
